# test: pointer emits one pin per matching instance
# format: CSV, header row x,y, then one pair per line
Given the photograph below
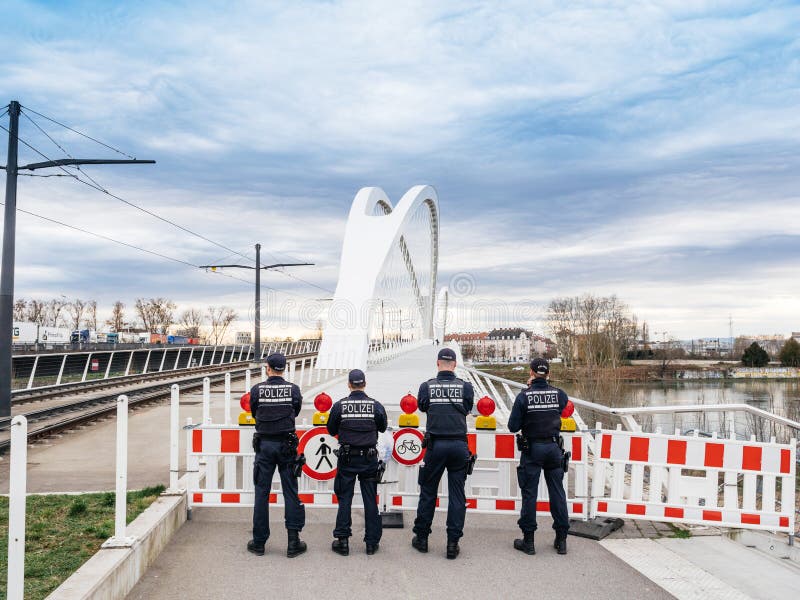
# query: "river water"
x,y
781,397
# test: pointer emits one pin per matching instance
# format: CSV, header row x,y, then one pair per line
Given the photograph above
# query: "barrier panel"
x,y
695,480
492,487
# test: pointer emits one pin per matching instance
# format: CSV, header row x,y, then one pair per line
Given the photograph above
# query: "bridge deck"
x,y
390,381
207,559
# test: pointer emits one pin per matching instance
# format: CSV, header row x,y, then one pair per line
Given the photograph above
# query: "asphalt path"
x,y
207,559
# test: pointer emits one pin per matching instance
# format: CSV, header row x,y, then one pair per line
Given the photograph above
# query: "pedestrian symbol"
x,y
317,444
323,452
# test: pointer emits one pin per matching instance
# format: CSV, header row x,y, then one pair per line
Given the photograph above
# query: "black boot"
x,y
341,546
420,543
255,548
296,546
452,549
525,544
372,548
560,544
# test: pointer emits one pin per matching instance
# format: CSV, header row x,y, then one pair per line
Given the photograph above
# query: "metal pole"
x,y
206,401
174,433
258,302
227,398
122,468
16,507
7,276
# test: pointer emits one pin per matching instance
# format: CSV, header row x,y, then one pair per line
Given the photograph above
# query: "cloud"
x,y
615,147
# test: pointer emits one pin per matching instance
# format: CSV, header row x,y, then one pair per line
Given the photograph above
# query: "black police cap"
x,y
540,366
446,354
356,377
276,361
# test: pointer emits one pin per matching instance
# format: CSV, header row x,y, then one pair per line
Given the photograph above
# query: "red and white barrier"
x,y
634,475
492,488
694,480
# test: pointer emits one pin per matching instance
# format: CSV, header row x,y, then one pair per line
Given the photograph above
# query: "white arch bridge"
x,y
386,300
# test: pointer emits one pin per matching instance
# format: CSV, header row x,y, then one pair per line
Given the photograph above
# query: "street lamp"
x,y
9,238
258,268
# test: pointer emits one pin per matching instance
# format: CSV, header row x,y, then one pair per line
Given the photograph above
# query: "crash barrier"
x,y
227,479
696,480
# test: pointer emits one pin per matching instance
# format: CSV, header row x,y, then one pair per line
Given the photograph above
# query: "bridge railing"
x,y
380,353
752,420
41,371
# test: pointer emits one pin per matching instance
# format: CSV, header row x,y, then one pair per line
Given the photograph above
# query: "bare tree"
x,y
117,320
165,314
595,330
221,318
35,311
76,309
156,314
191,321
666,353
20,309
91,315
53,312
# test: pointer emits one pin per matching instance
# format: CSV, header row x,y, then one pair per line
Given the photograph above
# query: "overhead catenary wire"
x,y
117,150
101,189
92,183
60,147
151,252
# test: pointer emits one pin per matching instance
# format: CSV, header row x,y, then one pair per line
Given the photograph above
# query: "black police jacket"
x,y
447,400
537,410
274,404
357,420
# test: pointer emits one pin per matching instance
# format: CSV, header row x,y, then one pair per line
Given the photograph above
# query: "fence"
x,y
694,480
492,487
46,370
629,474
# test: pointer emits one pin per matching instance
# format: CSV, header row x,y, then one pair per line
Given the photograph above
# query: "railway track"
x,y
48,421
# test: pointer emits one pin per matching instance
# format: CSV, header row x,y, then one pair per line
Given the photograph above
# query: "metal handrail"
x,y
639,410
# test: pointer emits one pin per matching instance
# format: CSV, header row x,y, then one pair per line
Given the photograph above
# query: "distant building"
x,y
796,336
503,345
244,338
771,343
473,345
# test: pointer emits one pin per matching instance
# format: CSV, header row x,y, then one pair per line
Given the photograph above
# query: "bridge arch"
x,y
377,234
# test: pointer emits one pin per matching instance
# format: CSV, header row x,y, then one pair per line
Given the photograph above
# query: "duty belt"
x,y
449,436
363,451
544,440
274,437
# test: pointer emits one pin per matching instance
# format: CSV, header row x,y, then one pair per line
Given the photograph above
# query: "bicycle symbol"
x,y
409,446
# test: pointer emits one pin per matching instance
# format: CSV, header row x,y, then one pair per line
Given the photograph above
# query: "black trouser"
x,y
273,454
453,456
542,456
365,469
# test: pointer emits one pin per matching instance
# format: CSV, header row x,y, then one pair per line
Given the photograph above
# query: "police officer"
x,y
357,420
537,412
274,404
447,400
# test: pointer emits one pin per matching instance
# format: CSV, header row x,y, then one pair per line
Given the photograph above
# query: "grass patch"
x,y
62,533
677,532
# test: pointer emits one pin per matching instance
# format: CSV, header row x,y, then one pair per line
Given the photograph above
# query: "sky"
x,y
647,150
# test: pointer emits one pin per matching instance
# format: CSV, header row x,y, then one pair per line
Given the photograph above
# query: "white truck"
x,y
32,333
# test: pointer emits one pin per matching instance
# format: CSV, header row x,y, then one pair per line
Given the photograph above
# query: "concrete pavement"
x,y
207,559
